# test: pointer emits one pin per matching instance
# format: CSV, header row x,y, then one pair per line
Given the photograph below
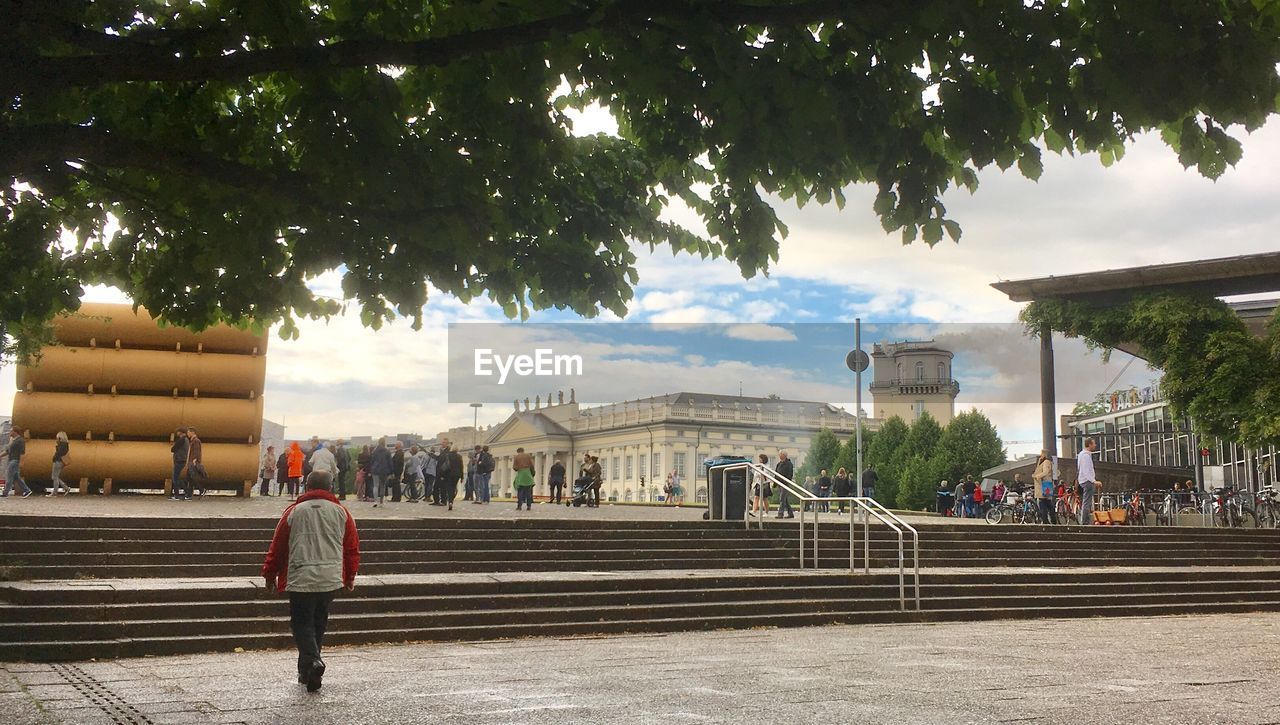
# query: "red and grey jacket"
x,y
315,548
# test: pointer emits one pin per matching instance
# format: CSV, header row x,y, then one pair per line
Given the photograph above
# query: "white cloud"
x,y
762,333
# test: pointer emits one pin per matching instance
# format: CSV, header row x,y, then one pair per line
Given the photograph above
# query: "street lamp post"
x,y
475,441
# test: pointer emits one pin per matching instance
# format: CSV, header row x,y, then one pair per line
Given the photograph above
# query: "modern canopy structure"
x,y
1250,274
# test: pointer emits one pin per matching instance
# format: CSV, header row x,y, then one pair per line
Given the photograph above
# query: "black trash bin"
x,y
737,503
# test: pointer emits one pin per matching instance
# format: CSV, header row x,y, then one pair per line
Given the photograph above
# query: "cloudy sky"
x,y
338,378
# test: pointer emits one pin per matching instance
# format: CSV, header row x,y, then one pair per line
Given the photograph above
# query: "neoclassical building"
x,y
640,441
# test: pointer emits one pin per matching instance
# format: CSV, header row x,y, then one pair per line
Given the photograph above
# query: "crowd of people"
x,y
969,500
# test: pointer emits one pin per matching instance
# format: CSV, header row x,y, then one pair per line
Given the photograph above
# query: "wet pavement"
x,y
1196,669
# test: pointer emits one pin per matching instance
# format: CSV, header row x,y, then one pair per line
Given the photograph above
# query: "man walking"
x,y
787,469
1088,480
179,451
13,472
429,464
315,551
448,473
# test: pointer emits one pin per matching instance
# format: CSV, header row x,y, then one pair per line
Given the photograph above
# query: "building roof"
x,y
706,400
1222,277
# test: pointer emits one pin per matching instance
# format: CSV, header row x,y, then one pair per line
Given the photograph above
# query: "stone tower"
x,y
912,377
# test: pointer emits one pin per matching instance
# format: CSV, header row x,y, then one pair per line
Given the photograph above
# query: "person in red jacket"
x,y
314,553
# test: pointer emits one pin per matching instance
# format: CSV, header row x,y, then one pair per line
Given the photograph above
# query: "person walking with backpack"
x,y
314,552
448,473
60,450
13,473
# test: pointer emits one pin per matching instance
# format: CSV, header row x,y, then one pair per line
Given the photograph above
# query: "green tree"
x,y
886,452
247,147
1097,406
969,445
823,451
1225,378
920,477
848,458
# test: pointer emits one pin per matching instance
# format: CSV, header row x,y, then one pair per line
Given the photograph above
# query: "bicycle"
x,y
1135,510
1068,507
1267,506
1019,507
1229,510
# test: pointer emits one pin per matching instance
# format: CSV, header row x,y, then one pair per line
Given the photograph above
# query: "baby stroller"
x,y
581,490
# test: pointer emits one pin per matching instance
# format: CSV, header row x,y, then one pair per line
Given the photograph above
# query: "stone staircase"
x,y
89,587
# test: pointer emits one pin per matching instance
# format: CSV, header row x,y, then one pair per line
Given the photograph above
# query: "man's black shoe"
x,y
315,676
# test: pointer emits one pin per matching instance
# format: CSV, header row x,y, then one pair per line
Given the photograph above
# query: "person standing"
x,y
413,475
824,489
295,466
396,479
282,471
13,473
484,473
555,480
761,490
429,465
343,459
195,463
596,476
469,486
969,501
179,451
379,469
843,487
1043,488
363,478
522,464
869,479
268,471
1088,480
787,470
314,552
60,449
322,460
957,503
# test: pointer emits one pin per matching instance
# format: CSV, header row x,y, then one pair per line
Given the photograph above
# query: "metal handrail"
x,y
868,506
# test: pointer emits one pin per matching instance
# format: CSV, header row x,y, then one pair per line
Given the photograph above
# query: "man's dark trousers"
x,y
447,488
556,488
308,615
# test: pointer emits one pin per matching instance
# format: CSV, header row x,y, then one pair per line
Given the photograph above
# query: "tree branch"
x,y
163,64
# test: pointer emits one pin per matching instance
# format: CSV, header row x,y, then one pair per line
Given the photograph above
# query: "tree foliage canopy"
x,y
1223,377
246,146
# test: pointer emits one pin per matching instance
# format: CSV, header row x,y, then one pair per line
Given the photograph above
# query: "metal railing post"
x,y
815,536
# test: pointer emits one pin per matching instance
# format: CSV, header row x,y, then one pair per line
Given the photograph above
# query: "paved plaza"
x,y
1197,669
145,504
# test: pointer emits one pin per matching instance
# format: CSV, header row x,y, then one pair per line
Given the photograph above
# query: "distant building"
x,y
272,435
639,442
910,378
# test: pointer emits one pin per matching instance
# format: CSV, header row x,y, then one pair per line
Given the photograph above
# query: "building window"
x,y
900,371
656,472
617,467
919,372
942,371
644,465
628,496
701,496
604,468
679,464
918,409
630,468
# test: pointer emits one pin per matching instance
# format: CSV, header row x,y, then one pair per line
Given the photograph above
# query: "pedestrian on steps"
x,y
179,451
787,470
13,473
315,552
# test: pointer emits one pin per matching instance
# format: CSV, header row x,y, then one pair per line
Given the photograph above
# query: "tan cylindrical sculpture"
x,y
153,371
137,463
103,324
136,416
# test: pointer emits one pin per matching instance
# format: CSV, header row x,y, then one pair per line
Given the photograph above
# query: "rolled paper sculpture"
x,y
144,371
136,416
139,464
103,324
